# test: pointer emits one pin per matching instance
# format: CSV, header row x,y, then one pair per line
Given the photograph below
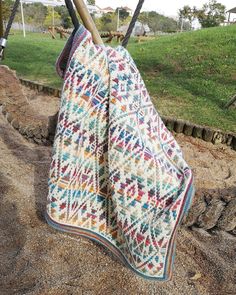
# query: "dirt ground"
x,y
36,259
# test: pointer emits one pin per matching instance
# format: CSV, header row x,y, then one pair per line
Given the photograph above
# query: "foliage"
x,y
39,15
123,14
211,14
34,13
91,2
187,13
158,22
64,15
6,9
108,22
49,18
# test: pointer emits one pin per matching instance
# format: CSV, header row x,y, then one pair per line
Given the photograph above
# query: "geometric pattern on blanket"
x,y
117,175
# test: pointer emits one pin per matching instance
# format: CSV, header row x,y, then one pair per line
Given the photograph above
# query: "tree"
x,y
187,13
158,22
211,14
6,9
65,17
154,25
107,22
49,18
91,2
143,17
123,13
35,13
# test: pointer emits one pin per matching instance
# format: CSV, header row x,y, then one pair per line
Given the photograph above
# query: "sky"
x,y
167,7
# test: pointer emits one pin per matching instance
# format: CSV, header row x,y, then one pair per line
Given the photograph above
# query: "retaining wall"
x,y
179,126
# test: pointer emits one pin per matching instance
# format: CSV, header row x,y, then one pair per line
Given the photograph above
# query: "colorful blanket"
x,y
117,174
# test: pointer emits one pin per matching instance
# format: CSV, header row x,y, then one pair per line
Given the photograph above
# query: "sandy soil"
x,y
42,103
36,259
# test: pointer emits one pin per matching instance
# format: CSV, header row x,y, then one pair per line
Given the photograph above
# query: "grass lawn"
x,y
189,76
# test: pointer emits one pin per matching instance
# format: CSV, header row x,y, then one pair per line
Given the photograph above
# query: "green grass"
x,y
34,57
189,76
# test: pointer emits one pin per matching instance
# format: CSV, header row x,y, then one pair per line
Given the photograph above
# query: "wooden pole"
x,y
53,21
1,19
1,26
88,21
22,18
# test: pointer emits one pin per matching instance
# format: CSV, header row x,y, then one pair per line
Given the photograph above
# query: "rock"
x,y
224,138
29,132
209,196
56,92
212,214
49,90
218,137
198,208
164,120
46,142
15,124
207,134
228,198
197,132
9,117
227,221
22,128
52,123
179,126
170,125
233,232
37,132
229,139
44,131
4,110
40,87
196,276
37,140
188,129
51,138
31,140
201,231
234,143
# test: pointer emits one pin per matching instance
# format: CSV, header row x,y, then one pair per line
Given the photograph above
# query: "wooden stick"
x,y
1,19
87,20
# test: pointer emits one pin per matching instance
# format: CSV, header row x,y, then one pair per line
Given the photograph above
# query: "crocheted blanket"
x,y
117,175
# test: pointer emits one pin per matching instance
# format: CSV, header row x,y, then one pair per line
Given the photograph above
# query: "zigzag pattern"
x,y
117,174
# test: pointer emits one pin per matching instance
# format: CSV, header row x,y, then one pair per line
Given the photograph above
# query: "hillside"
x,y
192,75
189,75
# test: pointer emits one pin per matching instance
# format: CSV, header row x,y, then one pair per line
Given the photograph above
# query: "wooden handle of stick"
x,y
87,20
